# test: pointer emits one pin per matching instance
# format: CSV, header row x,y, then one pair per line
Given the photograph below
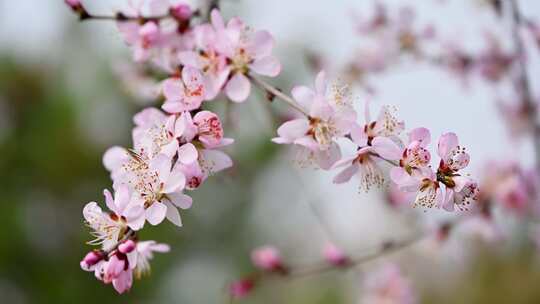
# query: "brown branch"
x,y
523,80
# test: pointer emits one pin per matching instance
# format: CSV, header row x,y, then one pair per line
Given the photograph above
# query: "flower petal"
x,y
267,66
187,153
386,148
303,95
156,213
447,143
238,88
293,129
180,200
346,174
175,182
172,214
421,135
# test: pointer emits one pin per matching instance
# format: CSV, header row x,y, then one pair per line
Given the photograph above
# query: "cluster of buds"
x,y
268,261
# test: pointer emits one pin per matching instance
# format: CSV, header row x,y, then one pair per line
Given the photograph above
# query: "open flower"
x,y
415,156
330,118
125,206
108,228
365,163
143,38
460,190
185,93
246,52
424,183
161,188
212,64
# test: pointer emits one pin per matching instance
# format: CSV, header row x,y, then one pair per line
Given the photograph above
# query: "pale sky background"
x,y
32,30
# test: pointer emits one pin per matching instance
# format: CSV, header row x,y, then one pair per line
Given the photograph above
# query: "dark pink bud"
x,y
335,256
267,258
127,246
91,259
181,12
241,288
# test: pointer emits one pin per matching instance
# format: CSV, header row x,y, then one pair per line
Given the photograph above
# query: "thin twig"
x,y
277,93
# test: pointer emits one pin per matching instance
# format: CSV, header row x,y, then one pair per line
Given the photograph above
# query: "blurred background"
x,y
62,104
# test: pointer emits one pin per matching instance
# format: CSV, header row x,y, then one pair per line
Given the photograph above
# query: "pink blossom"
x,y
335,255
267,258
107,228
330,117
461,191
415,157
184,94
241,288
387,285
207,163
365,165
207,59
124,205
143,38
247,51
210,130
424,183
375,141
155,133
161,188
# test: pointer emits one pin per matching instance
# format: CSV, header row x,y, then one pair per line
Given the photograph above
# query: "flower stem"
x,y
277,93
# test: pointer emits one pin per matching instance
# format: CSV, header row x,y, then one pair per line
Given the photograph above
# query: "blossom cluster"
x,y
175,148
178,146
332,119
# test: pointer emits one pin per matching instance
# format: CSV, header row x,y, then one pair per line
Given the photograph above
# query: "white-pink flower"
x,y
415,157
460,190
330,117
109,227
424,183
246,51
212,64
185,93
143,38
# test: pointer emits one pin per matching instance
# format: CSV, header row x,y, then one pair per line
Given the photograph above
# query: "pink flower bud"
x,y
127,246
241,288
181,12
91,259
334,255
267,258
74,4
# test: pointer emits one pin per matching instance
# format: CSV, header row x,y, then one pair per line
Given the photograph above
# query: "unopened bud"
x,y
127,246
91,259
